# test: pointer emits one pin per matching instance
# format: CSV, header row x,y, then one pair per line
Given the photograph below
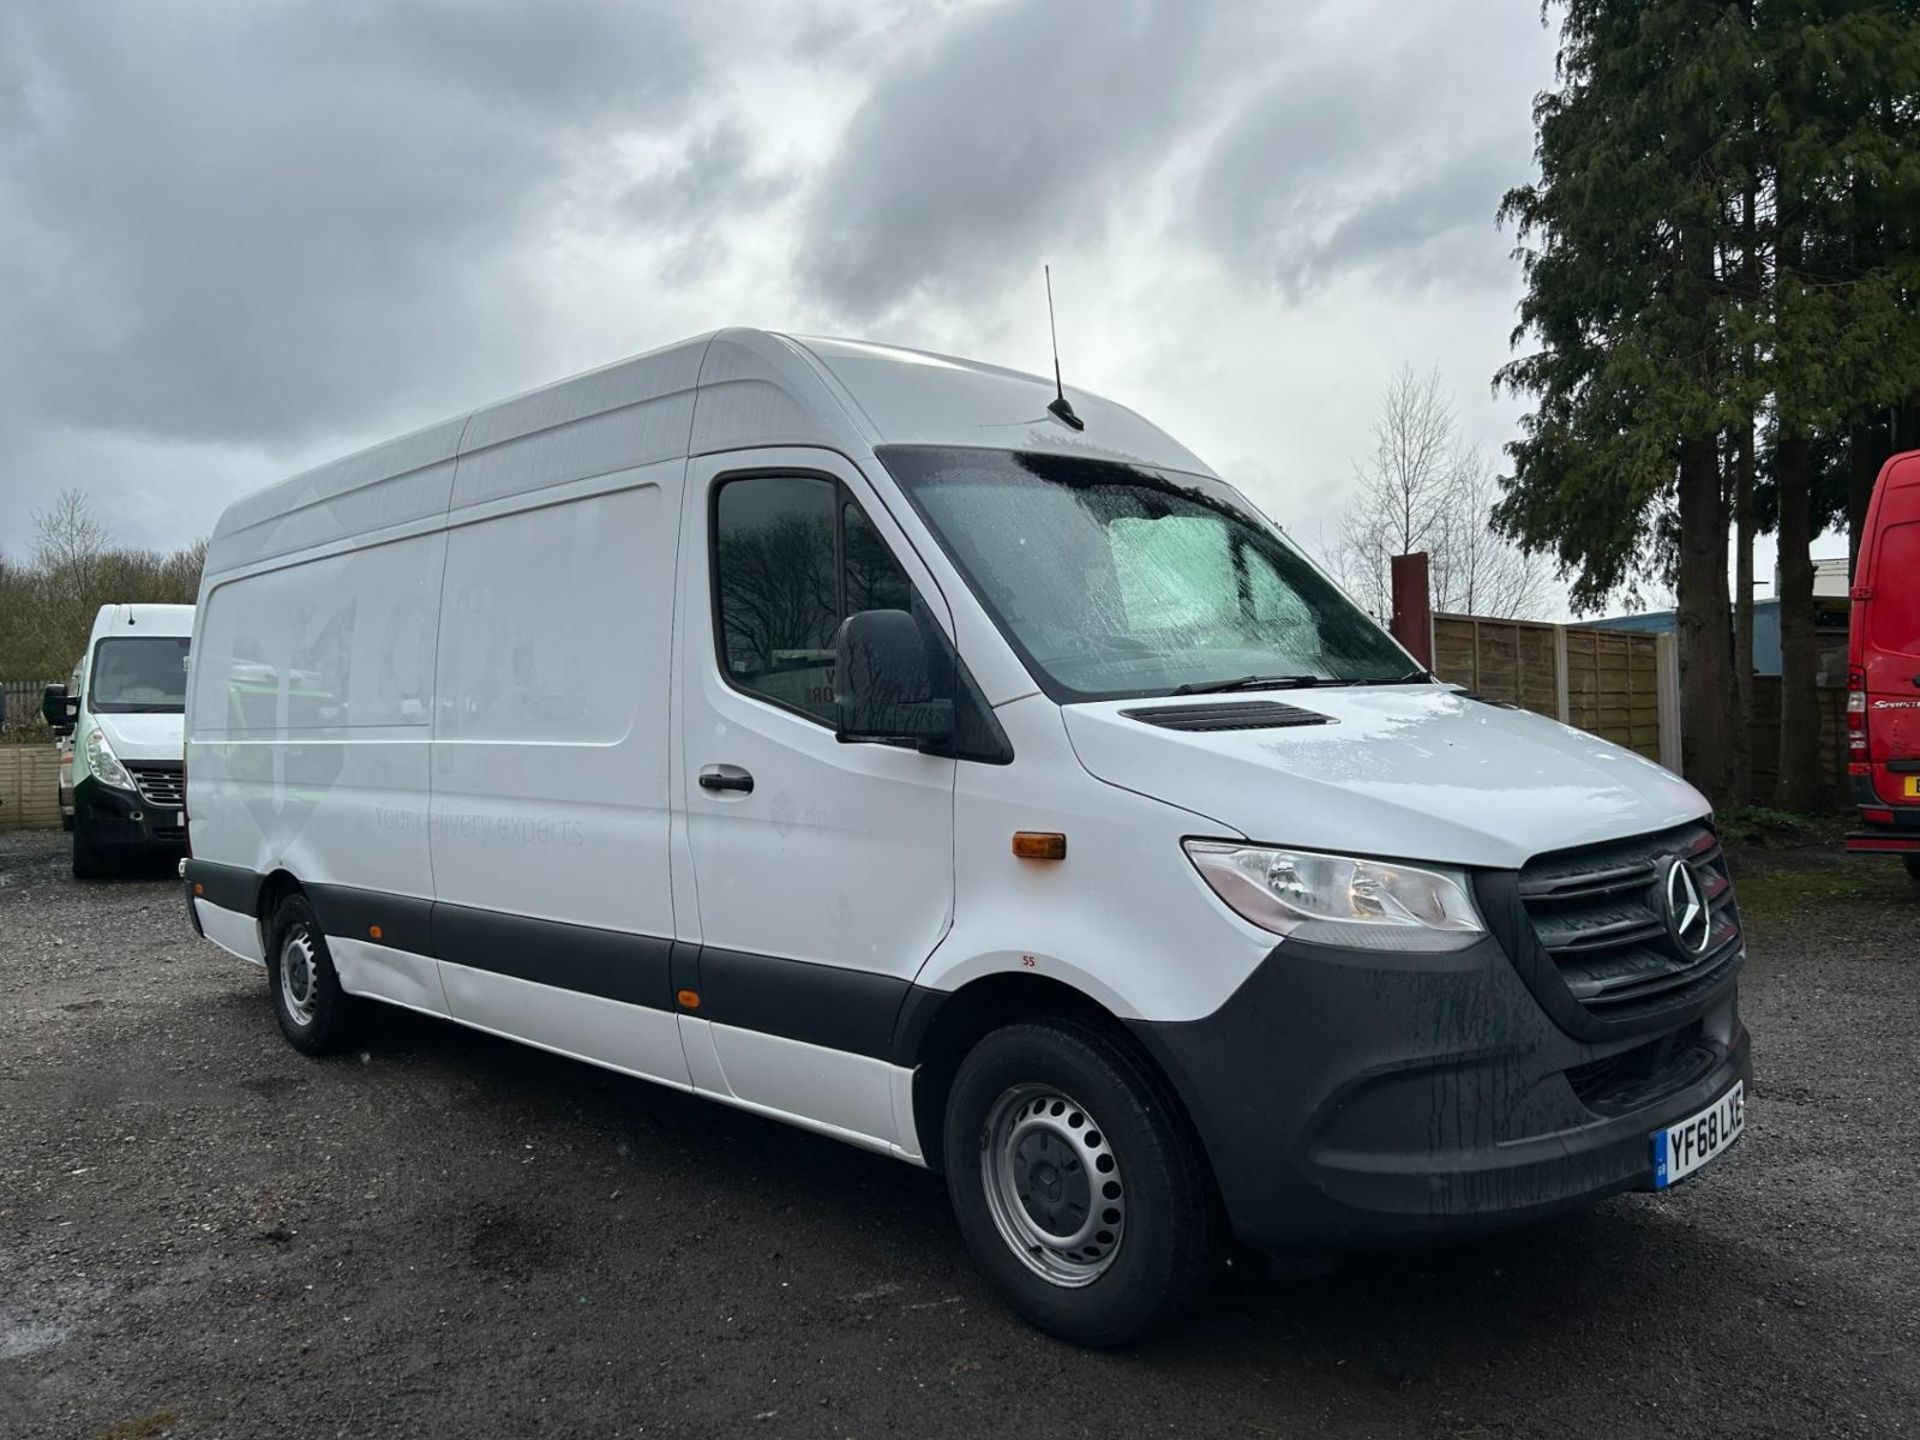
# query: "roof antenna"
x,y
1058,406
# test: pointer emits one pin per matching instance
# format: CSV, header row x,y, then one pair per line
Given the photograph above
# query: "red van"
x,y
1883,669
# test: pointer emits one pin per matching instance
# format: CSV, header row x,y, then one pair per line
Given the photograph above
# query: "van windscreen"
x,y
139,675
1115,580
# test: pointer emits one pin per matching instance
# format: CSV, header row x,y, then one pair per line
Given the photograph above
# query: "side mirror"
x,y
59,709
884,682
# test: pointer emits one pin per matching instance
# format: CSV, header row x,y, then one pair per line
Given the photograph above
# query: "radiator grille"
x,y
1619,923
161,785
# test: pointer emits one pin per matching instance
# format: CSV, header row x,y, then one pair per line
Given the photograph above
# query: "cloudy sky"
x,y
238,237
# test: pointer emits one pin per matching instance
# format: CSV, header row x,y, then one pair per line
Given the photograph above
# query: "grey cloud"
x,y
711,175
238,234
1357,160
1435,227
254,223
696,202
1019,124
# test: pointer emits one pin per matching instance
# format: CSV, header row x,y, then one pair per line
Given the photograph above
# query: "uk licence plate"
x,y
1681,1149
1913,787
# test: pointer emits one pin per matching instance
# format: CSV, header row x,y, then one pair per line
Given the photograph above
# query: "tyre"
x,y
315,1014
90,860
66,821
1912,862
1078,1184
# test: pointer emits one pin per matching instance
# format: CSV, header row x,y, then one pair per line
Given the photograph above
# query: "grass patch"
x,y
1871,882
1769,829
1783,889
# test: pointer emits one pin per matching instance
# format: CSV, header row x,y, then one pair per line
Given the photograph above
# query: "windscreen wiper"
x,y
1249,682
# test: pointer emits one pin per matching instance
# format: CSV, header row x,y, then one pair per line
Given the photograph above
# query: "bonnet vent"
x,y
1228,715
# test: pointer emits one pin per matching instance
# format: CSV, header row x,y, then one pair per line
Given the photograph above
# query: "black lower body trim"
x,y
405,922
850,1010
231,887
826,1005
612,964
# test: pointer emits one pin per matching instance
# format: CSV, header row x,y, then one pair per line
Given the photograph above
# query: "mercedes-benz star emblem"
x,y
1687,919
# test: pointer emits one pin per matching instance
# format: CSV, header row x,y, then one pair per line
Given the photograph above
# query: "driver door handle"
x,y
726,777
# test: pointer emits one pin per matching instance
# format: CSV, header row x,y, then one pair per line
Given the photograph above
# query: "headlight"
x,y
106,765
1335,900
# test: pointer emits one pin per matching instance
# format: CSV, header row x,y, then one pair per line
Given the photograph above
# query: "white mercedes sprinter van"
x,y
867,739
124,716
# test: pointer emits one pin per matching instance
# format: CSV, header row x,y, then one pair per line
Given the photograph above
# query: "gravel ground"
x,y
203,1233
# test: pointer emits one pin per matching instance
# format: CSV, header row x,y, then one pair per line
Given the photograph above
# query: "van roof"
x,y
168,621
729,390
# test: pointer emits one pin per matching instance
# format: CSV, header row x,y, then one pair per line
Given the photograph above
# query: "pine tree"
x,y
1838,133
1724,239
1636,326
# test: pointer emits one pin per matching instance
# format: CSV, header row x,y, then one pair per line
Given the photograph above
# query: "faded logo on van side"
x,y
485,829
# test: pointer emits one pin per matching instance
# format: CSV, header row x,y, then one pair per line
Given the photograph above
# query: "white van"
x,y
123,716
868,739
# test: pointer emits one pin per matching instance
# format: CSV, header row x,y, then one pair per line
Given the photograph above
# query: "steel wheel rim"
x,y
1053,1185
297,976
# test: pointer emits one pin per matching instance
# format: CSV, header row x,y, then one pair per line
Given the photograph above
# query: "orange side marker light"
x,y
1039,845
689,999
374,932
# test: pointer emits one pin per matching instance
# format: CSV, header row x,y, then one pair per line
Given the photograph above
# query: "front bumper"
x,y
1356,1099
122,820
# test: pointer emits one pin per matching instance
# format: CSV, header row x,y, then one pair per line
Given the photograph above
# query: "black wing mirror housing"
x,y
59,709
890,685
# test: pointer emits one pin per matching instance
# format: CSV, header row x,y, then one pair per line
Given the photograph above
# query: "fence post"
x,y
1413,607
1667,698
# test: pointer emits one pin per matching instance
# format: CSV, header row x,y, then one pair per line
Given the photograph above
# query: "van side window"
x,y
793,556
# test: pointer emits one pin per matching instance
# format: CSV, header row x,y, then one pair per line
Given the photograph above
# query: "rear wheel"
x,y
1912,862
315,1014
1077,1183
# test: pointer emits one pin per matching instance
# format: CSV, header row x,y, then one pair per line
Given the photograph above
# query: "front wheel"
x,y
90,860
1078,1184
315,1014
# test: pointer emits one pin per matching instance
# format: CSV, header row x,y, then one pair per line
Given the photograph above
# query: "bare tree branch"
x,y
1425,489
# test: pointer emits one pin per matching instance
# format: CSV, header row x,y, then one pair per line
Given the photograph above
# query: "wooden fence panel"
x,y
1764,736
1613,689
1613,686
29,787
1612,676
1508,660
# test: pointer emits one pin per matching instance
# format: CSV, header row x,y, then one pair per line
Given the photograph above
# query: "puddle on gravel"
x,y
37,1314
17,1341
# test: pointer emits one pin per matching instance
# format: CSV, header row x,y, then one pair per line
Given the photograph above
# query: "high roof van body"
x,y
862,738
1883,668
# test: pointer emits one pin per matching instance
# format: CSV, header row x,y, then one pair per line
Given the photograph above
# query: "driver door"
x,y
823,871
